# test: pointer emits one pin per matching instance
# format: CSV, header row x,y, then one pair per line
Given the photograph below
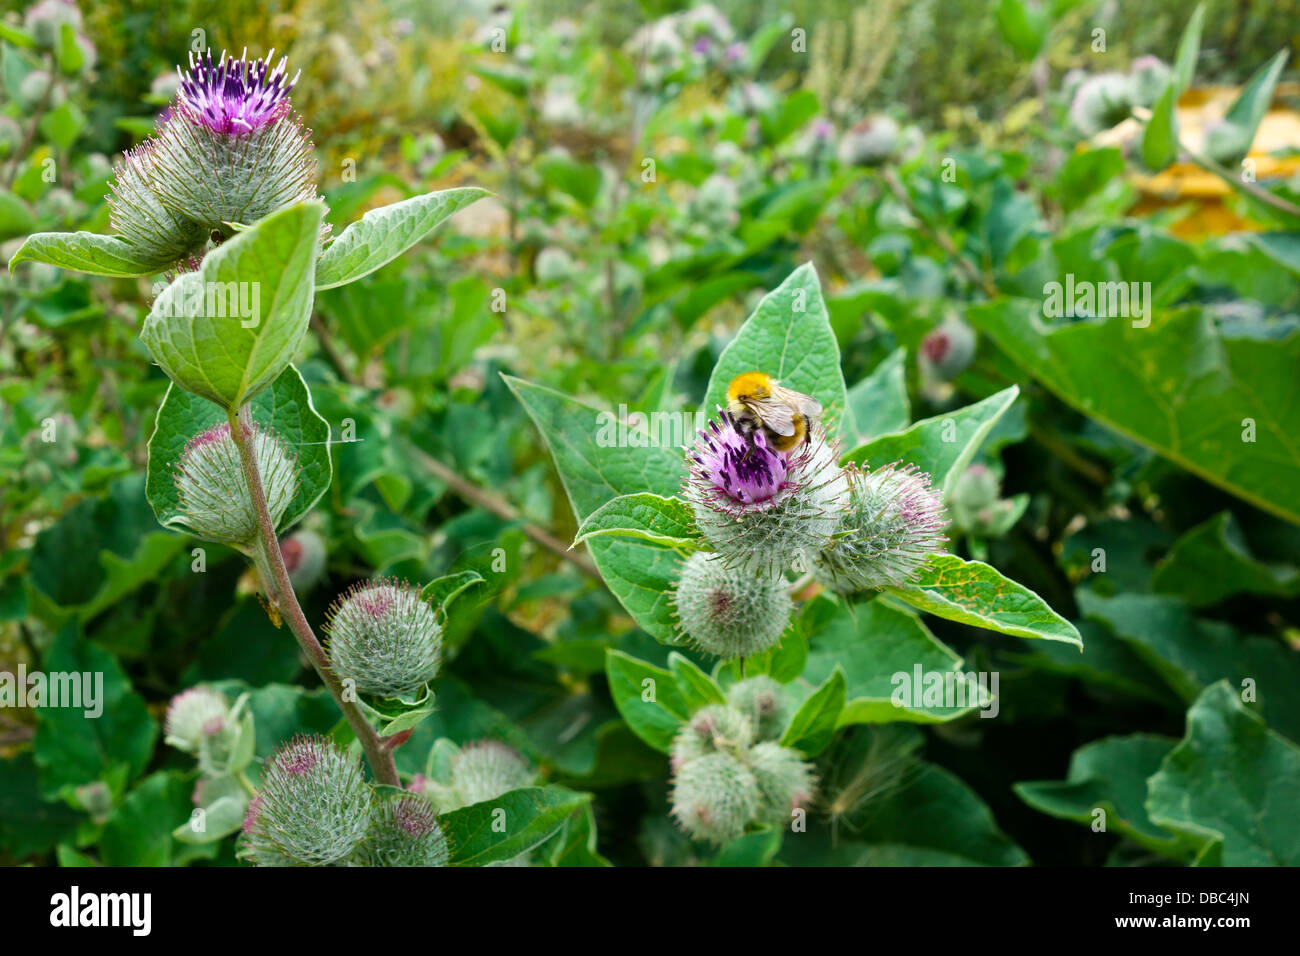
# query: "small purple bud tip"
x,y
235,96
213,726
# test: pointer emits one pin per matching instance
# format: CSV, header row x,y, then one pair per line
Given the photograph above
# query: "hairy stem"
x,y
472,493
280,591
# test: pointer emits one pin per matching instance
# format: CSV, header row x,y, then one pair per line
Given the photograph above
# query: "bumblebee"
x,y
785,416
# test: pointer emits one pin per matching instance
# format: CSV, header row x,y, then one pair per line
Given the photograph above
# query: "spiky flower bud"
x,y
194,714
1100,102
947,350
894,522
714,797
763,510
765,702
785,782
157,235
729,612
314,807
386,638
869,142
44,20
232,151
1149,76
305,556
213,496
38,87
404,831
485,769
716,728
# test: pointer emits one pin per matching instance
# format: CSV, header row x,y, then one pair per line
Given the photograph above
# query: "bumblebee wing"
x,y
774,413
805,405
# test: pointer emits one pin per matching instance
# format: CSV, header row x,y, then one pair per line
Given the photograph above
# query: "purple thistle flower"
x,y
759,508
744,468
235,96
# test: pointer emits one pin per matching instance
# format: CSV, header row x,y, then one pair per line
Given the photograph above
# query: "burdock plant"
x,y
759,551
223,198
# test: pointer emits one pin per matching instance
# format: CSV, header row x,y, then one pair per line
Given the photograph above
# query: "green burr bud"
x,y
728,611
385,638
785,782
404,831
765,702
314,807
714,797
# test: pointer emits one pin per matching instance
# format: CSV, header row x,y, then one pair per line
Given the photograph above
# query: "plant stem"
x,y
982,280
468,491
1252,190
280,591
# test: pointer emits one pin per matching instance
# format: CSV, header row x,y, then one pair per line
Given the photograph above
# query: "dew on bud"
x,y
386,638
729,612
314,807
213,496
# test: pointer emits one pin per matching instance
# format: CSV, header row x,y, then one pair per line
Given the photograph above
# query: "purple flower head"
x,y
702,45
235,96
745,468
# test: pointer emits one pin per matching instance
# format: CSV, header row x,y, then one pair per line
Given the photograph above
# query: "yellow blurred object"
x,y
1186,184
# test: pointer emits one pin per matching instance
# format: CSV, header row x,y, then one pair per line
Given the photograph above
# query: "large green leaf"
x,y
82,252
879,648
140,831
789,337
1231,785
1248,109
1177,387
640,575
285,408
28,824
1110,775
227,358
72,748
1189,49
647,698
502,828
879,403
974,593
1160,138
1213,561
1191,653
383,234
941,446
101,550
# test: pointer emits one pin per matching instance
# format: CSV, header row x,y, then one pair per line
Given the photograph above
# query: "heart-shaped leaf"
x,y
228,330
285,408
